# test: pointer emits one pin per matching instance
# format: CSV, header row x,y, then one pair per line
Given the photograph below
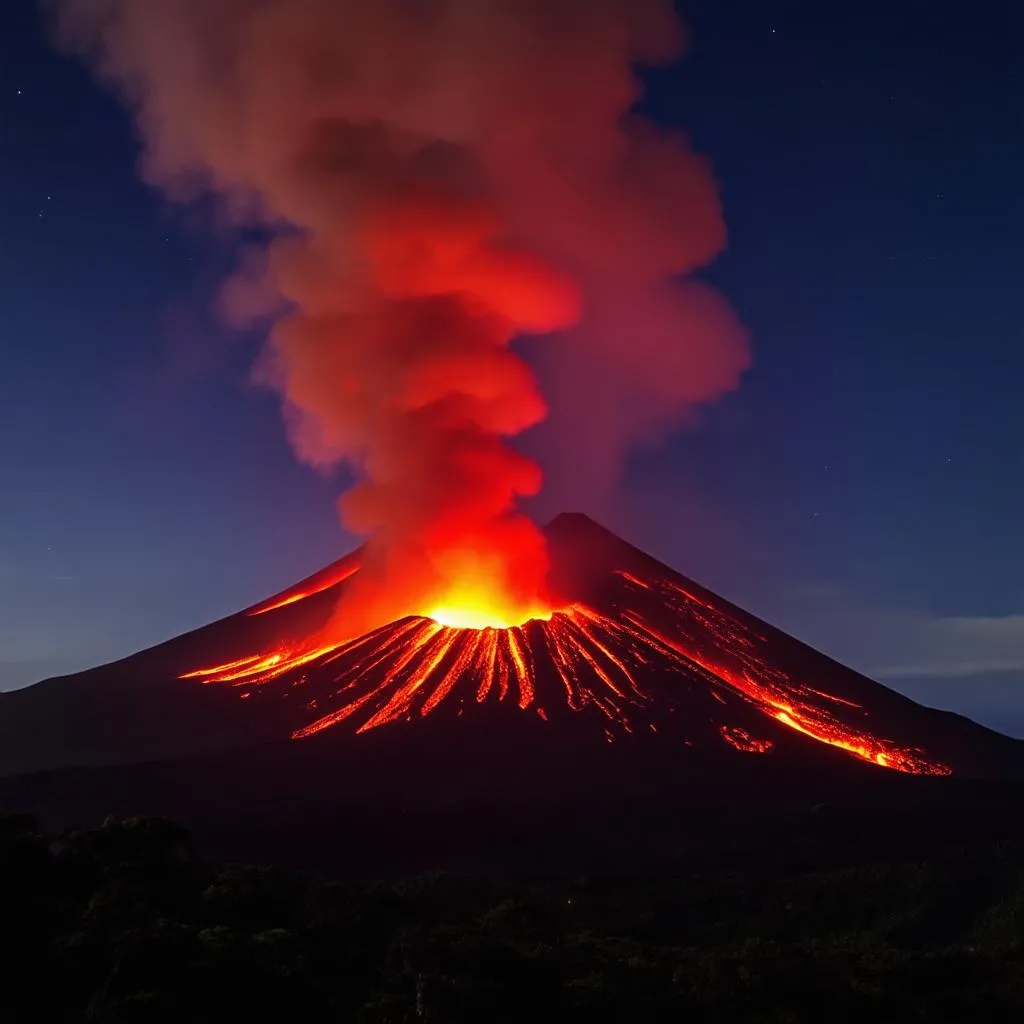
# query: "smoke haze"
x,y
440,178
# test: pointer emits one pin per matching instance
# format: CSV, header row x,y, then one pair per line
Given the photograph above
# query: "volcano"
x,y
640,714
632,654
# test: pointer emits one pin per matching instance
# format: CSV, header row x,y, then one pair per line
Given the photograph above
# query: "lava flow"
x,y
316,584
573,657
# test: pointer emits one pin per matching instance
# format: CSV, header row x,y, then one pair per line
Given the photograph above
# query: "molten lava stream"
x,y
410,668
316,585
413,665
771,690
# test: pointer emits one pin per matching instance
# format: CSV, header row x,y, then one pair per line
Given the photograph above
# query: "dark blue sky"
x,y
864,489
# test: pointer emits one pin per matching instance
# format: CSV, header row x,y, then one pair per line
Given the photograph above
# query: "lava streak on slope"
x,y
316,584
661,641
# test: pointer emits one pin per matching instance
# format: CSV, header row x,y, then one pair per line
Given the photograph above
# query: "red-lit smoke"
x,y
439,177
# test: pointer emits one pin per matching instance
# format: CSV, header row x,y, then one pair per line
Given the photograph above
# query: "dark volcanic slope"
x,y
641,660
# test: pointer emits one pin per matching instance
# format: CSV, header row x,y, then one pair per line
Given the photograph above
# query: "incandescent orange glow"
x,y
478,648
469,609
460,615
477,592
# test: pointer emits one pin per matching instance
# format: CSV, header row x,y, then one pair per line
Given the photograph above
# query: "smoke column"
x,y
439,177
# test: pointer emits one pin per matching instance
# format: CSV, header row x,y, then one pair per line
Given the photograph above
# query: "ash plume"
x,y
439,177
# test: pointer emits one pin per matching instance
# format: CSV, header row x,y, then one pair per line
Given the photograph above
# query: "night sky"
x,y
863,490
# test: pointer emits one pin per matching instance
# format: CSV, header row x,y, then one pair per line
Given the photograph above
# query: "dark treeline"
x,y
124,923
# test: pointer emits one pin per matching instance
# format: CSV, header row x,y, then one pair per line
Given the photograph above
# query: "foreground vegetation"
x,y
122,923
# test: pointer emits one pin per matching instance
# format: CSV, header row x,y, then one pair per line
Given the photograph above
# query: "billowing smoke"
x,y
439,177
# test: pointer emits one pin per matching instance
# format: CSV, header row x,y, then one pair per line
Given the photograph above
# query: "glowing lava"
x,y
490,589
623,667
462,613
329,577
